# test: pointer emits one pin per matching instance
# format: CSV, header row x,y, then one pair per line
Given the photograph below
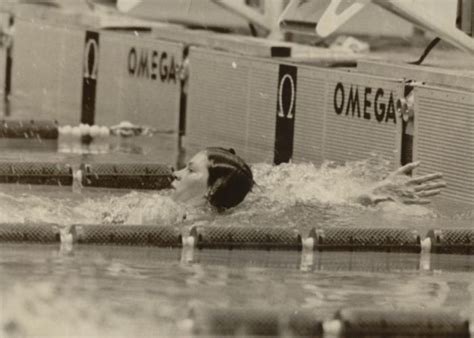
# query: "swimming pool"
x,y
139,291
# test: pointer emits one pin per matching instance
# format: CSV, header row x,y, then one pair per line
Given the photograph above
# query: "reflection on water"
x,y
100,291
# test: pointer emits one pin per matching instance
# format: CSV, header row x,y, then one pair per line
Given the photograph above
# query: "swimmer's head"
x,y
230,178
217,175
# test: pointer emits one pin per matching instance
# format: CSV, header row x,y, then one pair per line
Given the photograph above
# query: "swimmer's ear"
x,y
231,150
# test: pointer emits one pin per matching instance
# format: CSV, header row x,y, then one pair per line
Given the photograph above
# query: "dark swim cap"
x,y
230,178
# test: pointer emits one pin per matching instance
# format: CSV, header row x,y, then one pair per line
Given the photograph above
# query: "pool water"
x,y
102,291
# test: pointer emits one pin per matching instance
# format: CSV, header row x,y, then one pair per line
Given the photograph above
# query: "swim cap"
x,y
230,178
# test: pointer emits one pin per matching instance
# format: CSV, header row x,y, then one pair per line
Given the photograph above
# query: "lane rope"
x,y
446,241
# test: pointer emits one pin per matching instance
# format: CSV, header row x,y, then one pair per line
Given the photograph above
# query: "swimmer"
x,y
218,177
215,178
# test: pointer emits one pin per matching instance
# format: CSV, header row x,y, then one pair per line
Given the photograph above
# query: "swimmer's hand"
x,y
400,187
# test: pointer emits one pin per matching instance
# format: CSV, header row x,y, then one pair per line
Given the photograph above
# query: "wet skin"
x,y
190,183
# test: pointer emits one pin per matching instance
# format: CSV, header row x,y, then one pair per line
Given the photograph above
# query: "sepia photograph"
x,y
236,168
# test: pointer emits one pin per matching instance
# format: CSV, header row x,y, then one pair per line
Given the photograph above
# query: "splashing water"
x,y
133,207
304,183
290,184
280,189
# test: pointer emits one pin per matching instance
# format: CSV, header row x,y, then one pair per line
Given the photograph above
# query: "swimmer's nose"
x,y
176,174
173,174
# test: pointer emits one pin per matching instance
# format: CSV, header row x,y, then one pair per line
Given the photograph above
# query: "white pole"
x,y
268,21
273,10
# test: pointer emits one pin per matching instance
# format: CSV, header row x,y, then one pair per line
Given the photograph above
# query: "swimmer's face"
x,y
190,183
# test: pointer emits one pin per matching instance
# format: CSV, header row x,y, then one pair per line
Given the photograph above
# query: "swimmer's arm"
x,y
400,187
367,199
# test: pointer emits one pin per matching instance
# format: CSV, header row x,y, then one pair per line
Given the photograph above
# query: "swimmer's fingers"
x,y
429,193
430,186
417,201
378,199
424,193
407,168
425,178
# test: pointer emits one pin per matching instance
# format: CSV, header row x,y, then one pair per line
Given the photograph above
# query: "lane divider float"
x,y
347,322
363,322
50,129
29,233
83,139
217,237
29,129
451,241
102,175
45,173
248,238
365,239
126,175
244,322
267,247
134,235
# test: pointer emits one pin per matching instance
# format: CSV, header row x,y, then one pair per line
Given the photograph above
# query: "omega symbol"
x,y
281,111
91,59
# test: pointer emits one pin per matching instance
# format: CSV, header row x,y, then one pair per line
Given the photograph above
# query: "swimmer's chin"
x,y
186,199
177,194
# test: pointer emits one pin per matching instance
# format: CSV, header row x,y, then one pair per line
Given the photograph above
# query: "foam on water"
x,y
130,208
289,185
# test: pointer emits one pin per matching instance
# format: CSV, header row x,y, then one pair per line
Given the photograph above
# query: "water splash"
x,y
130,208
289,184
29,207
324,191
304,183
304,196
